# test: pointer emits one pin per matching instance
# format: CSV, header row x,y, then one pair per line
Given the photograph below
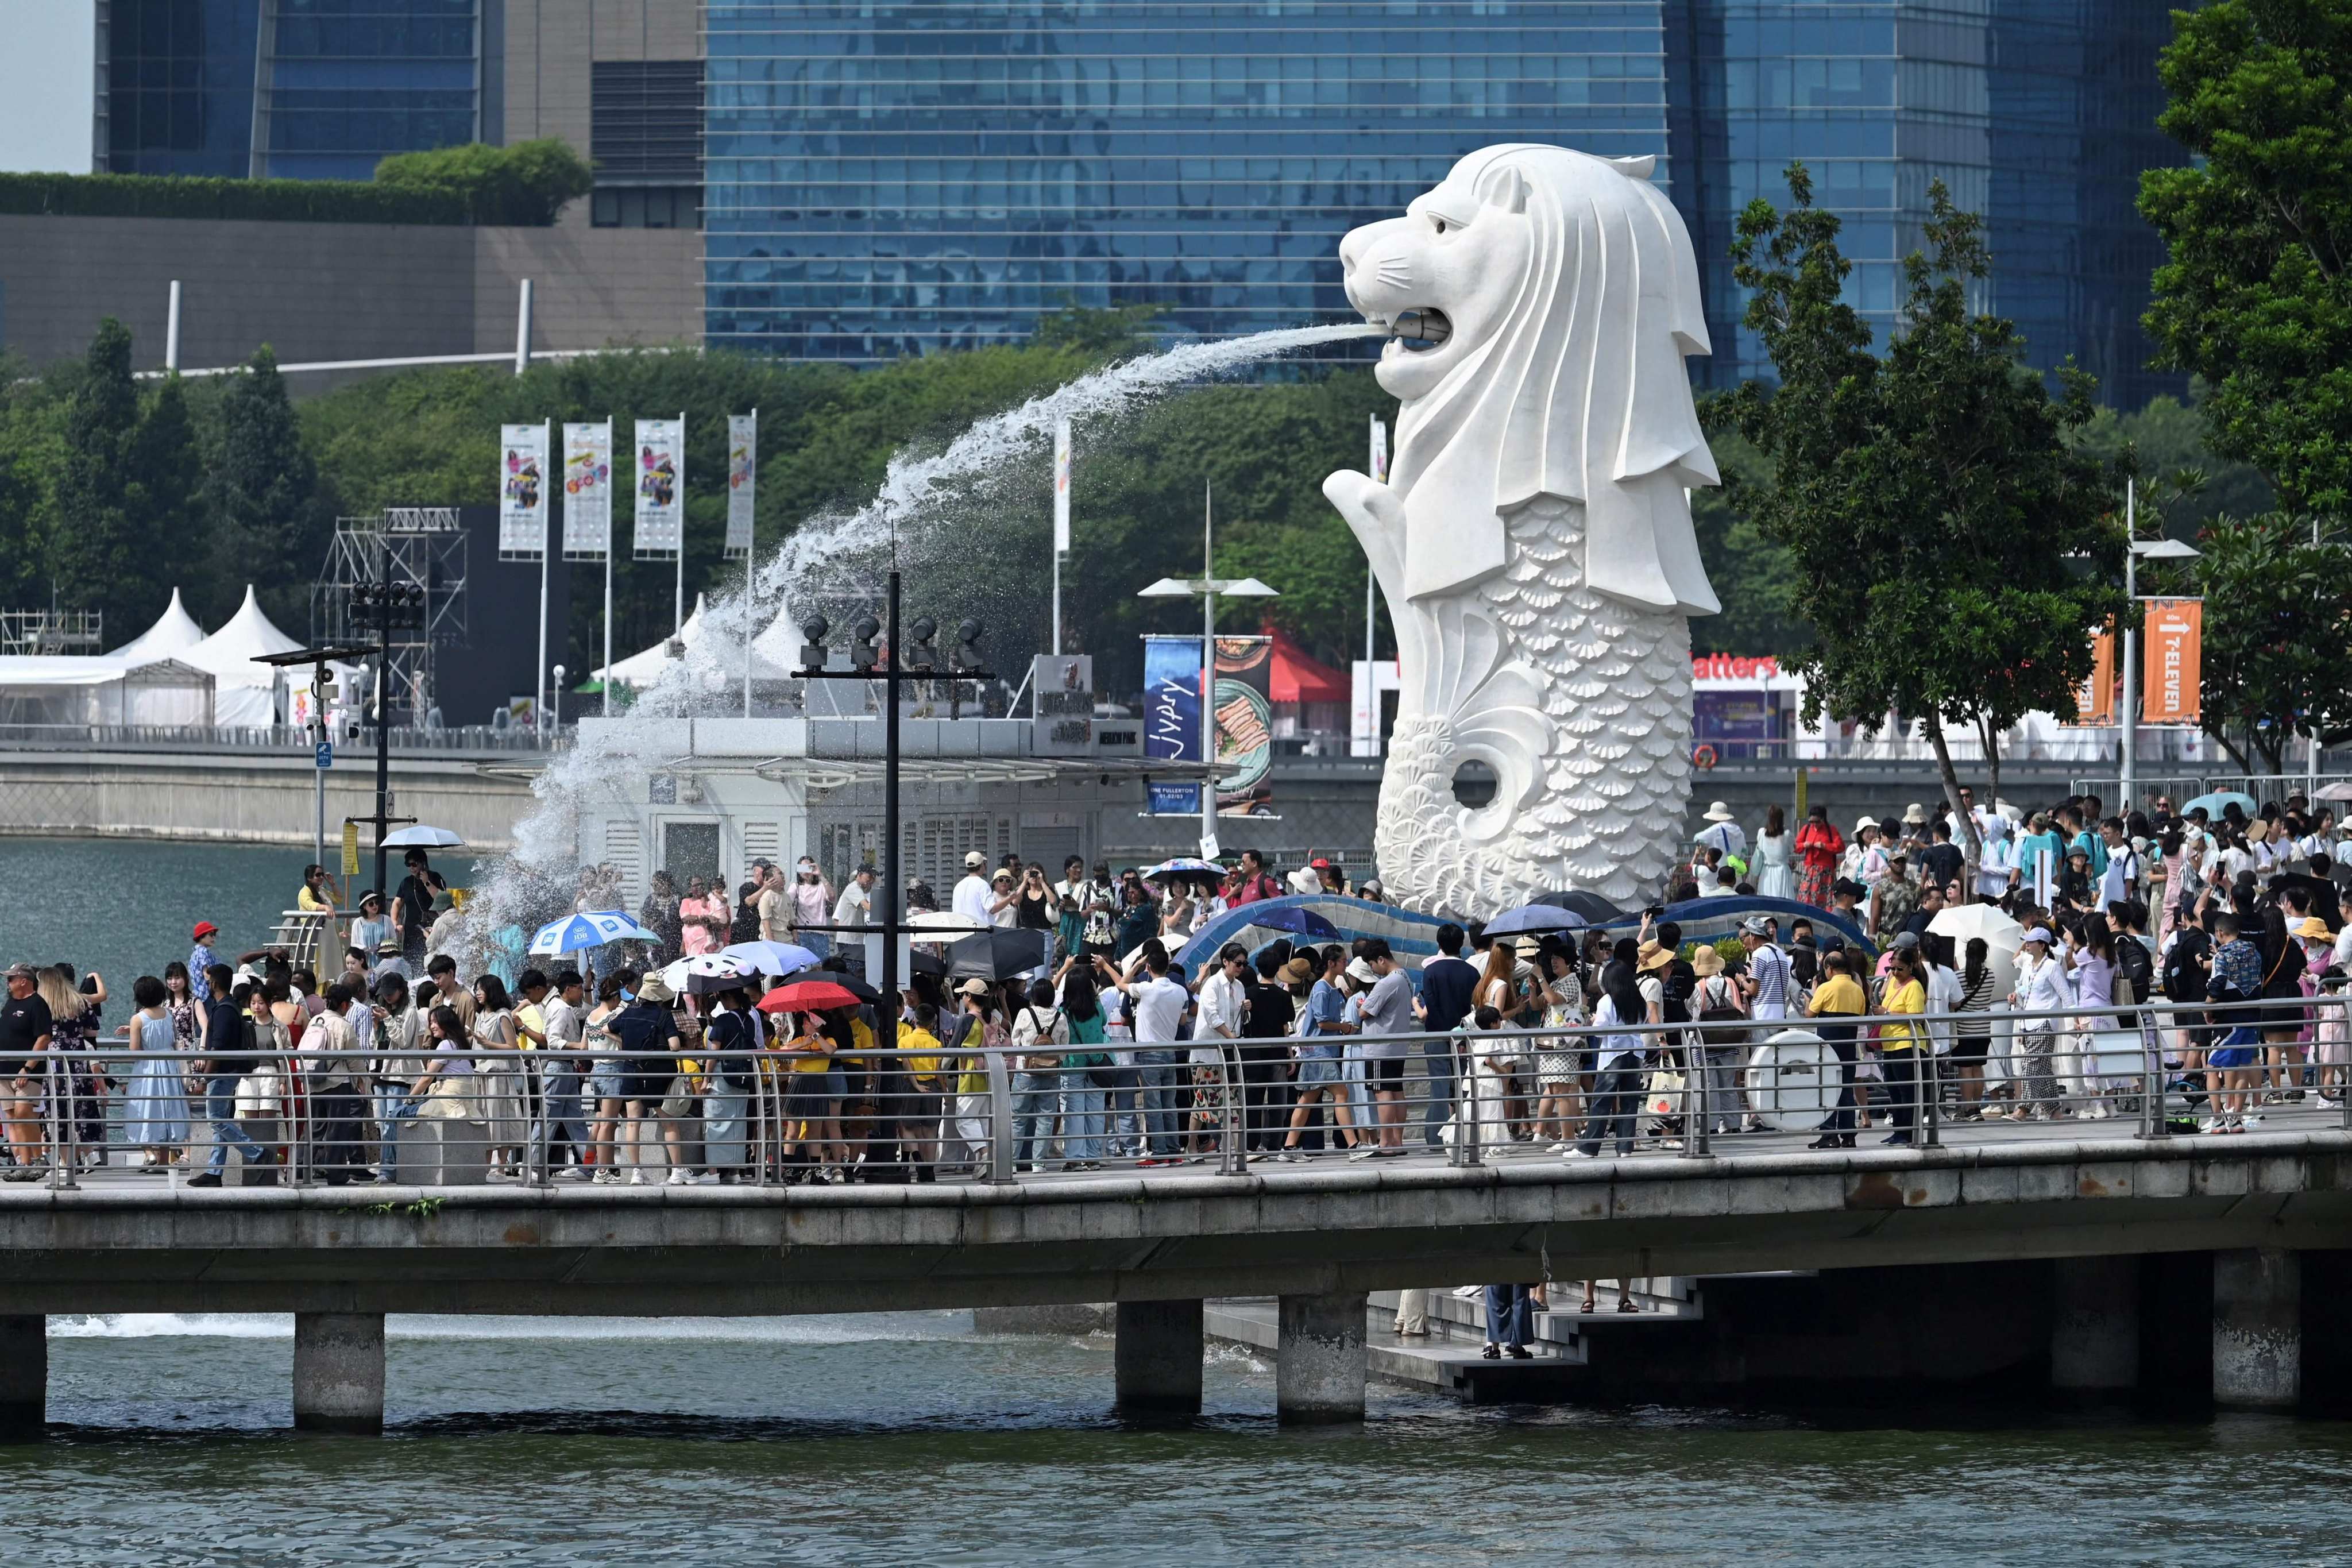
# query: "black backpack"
x,y
2183,980
2133,963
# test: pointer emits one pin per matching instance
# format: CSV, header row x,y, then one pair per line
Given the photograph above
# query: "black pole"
x,y
384,722
892,892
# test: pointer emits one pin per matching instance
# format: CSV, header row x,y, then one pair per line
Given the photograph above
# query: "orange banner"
x,y
2096,703
2175,633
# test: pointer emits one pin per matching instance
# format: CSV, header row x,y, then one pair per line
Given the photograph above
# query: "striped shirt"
x,y
1769,967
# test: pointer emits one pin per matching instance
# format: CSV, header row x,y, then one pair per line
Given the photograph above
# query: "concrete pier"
x,y
1318,1377
2257,1329
24,1374
339,1372
1157,1358
2094,1327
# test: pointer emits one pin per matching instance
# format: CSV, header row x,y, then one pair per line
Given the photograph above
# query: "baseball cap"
x,y
1905,939
973,860
1756,925
973,987
2036,934
204,929
23,971
1319,863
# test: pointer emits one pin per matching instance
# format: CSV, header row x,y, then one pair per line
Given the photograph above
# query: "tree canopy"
x,y
1951,547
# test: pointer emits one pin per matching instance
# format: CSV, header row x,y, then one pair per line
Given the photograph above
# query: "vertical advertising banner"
x,y
2095,703
1060,486
1171,718
1380,457
587,491
660,470
743,479
1244,725
522,491
2175,634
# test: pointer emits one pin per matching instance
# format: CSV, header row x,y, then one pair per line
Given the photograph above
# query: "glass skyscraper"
x,y
891,176
294,88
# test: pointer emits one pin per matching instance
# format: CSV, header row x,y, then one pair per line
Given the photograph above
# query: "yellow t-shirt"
x,y
923,1062
1837,995
1908,997
811,1052
529,1017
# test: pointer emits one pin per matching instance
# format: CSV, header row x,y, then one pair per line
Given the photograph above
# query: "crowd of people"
x,y
596,1070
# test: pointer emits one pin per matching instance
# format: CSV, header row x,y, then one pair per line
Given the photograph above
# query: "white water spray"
x,y
535,882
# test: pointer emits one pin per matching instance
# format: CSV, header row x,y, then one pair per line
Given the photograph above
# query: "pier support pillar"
x,y
2257,1329
1318,1374
1157,1358
23,1375
2094,1329
339,1372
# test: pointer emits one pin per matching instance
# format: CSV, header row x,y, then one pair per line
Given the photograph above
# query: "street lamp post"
x,y
1208,585
2136,550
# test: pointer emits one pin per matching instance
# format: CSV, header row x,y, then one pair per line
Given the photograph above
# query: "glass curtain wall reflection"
x,y
887,178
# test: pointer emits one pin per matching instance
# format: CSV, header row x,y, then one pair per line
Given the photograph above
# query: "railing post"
x,y
1232,1157
999,1116
1695,1119
1931,1088
63,1171
2151,1070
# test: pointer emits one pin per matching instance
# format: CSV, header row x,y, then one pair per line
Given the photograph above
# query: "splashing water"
x,y
536,882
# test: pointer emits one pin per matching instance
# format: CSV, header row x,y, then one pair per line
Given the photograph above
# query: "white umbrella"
x,y
947,919
2003,937
423,837
707,971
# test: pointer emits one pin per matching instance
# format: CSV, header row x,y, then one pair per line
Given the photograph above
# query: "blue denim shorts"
x,y
1317,1069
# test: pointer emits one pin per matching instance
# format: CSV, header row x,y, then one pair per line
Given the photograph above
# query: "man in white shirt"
x,y
856,908
971,896
2119,882
1722,834
1158,1002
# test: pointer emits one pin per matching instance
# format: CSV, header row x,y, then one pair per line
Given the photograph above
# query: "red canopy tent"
x,y
1294,678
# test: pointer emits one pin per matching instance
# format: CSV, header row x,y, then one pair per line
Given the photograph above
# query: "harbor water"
x,y
911,1436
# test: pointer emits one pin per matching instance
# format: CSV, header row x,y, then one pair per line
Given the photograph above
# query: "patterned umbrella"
x,y
573,933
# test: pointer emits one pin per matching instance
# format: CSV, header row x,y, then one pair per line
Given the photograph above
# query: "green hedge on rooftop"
x,y
527,183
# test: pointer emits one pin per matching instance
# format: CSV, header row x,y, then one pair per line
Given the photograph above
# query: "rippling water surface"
x,y
906,1437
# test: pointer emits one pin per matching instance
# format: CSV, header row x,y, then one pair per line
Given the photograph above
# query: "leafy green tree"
x,y
526,183
2253,295
263,488
101,553
163,488
1755,579
2168,437
1930,497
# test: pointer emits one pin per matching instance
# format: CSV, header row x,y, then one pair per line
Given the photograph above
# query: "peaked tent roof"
x,y
723,658
174,632
1294,678
230,651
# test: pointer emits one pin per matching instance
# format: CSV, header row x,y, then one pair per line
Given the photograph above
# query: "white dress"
x,y
1776,876
501,1095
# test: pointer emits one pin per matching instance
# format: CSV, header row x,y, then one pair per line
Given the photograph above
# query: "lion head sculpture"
x,y
1569,293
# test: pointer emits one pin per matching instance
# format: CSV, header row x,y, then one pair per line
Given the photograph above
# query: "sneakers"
x,y
209,1179
1560,1148
677,1177
1578,1154
1285,1156
605,1177
637,1178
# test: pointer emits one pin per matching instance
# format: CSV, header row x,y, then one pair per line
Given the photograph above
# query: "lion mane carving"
x,y
1534,541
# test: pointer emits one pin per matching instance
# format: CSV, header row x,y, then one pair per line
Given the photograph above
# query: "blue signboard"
x,y
1161,799
326,754
1171,699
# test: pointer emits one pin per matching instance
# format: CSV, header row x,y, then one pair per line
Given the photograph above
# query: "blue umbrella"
x,y
1532,918
779,958
1189,868
2215,804
1306,923
575,933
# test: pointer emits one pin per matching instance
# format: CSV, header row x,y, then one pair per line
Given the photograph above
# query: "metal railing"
x,y
776,1117
275,737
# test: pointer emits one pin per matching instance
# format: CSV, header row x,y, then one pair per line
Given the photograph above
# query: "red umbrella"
x,y
807,996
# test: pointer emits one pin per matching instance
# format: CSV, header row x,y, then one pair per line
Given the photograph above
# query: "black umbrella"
x,y
848,982
921,963
1596,910
1000,954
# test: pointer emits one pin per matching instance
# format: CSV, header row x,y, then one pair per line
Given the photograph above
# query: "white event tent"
x,y
247,694
147,680
173,634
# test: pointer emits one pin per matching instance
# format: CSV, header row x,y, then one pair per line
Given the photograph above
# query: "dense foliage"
x,y
1938,513
528,183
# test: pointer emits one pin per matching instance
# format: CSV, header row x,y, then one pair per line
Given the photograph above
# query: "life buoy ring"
x,y
1703,756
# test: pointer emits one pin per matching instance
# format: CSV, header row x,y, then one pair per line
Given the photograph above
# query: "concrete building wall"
x,y
549,44
337,291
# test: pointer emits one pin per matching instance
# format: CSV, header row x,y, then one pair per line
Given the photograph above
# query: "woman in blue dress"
x,y
156,1107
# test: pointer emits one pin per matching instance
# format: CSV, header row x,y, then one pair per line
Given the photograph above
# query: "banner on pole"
x,y
661,488
587,491
1060,486
743,479
522,492
1379,460
2094,701
1244,725
1171,699
351,848
2175,636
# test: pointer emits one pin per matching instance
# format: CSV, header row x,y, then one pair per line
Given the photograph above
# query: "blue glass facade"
x,y
346,81
2039,114
887,177
352,81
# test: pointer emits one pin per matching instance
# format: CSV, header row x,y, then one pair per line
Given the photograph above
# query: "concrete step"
x,y
1445,1362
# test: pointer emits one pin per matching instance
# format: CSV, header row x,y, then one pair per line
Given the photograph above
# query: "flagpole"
x,y
546,552
607,681
751,553
1208,672
677,604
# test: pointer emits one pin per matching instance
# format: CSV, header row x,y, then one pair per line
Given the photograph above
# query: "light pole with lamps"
x,y
2137,551
1209,586
555,698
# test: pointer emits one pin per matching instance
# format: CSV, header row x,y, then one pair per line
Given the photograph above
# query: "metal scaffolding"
x,y
424,545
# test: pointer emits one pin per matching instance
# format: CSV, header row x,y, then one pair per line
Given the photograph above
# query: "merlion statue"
x,y
1533,539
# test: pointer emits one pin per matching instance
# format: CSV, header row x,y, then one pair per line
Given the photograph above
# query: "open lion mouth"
x,y
1422,330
